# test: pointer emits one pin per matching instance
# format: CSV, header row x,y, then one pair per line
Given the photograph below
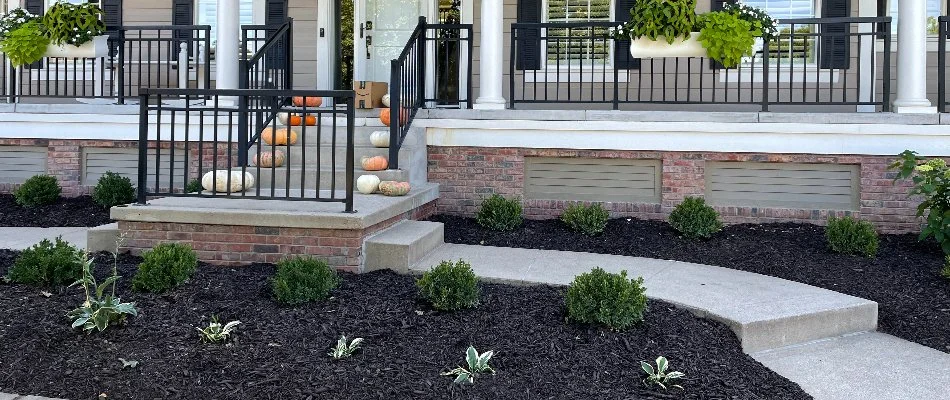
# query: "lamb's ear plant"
x,y
477,365
216,331
101,307
344,348
660,376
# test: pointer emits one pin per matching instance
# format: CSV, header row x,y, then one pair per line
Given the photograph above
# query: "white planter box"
x,y
97,47
659,48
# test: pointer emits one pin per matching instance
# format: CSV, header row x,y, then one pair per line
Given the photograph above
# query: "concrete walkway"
x,y
11,396
22,238
820,339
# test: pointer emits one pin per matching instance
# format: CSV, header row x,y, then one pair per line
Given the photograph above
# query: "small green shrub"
x,y
850,236
499,214
600,297
726,37
303,279
165,267
587,219
194,186
48,263
694,219
931,178
450,286
39,190
113,189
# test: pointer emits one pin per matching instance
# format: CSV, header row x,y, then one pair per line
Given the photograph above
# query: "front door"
x,y
381,29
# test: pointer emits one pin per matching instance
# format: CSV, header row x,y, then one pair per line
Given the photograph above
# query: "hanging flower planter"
x,y
95,48
645,47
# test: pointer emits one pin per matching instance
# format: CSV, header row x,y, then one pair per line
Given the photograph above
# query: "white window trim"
x,y
575,73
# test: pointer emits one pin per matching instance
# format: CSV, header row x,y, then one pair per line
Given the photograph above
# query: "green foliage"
x,y
600,297
47,263
587,219
499,214
659,376
25,44
194,186
763,25
671,19
14,19
694,219
850,236
39,190
165,267
101,308
450,286
344,348
302,279
945,271
932,181
727,37
476,364
216,331
73,24
113,189
346,44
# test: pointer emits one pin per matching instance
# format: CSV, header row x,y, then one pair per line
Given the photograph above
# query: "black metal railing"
x,y
407,87
137,57
181,140
943,23
813,61
267,56
451,49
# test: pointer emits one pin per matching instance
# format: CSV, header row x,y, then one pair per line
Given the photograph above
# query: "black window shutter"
x,y
529,40
718,5
275,13
35,7
183,13
622,58
835,51
112,16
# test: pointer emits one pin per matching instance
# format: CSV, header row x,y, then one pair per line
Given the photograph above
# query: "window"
x,y
567,47
785,9
207,14
934,10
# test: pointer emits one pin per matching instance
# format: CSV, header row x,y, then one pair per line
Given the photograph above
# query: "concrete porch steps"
x,y
402,245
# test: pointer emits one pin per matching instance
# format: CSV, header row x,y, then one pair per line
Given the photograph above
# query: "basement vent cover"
x,y
125,161
783,185
592,179
19,163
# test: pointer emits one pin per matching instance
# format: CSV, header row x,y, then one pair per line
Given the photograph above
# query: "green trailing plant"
x,y
164,267
476,364
102,307
763,25
671,19
48,263
194,186
600,297
659,376
302,280
38,190
931,181
113,189
499,214
587,219
25,45
344,348
73,24
694,219
449,286
851,236
726,37
216,331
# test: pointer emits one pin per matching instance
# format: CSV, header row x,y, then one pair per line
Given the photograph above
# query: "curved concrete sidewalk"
x,y
15,238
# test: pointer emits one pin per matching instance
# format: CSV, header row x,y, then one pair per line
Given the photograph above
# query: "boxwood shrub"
x,y
302,280
694,219
847,235
165,267
587,219
450,286
113,189
602,298
39,190
48,263
499,214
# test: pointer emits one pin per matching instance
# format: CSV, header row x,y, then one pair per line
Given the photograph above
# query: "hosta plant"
x,y
477,364
344,347
931,181
102,307
659,376
216,331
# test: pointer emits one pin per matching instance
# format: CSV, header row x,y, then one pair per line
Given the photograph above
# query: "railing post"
x,y
11,95
244,128
395,103
421,64
886,106
942,65
289,59
143,147
350,120
120,70
616,102
765,73
513,48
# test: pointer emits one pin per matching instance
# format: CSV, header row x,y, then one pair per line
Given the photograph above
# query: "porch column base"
x,y
914,107
489,104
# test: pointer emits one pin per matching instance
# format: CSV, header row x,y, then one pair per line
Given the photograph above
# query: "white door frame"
x,y
359,40
326,58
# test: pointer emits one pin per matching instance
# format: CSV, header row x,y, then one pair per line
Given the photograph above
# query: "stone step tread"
x,y
765,312
402,245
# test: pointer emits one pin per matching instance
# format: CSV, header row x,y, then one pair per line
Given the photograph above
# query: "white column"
x,y
912,58
228,44
491,53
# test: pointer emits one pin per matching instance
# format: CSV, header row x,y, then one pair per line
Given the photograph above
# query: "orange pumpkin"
x,y
386,114
375,163
393,188
297,120
268,159
301,101
278,136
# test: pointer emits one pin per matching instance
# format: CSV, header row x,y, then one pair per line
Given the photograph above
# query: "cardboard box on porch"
x,y
369,94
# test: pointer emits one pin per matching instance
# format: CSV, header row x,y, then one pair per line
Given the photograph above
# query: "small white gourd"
x,y
367,184
218,181
379,138
385,100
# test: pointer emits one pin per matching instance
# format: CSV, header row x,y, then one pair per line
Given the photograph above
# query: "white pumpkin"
x,y
209,183
385,100
379,138
282,118
367,184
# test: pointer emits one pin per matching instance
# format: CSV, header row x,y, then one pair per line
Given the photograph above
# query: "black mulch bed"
x,y
914,301
75,211
280,353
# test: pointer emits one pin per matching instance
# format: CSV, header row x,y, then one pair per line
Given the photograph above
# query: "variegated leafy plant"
x,y
345,348
477,365
660,376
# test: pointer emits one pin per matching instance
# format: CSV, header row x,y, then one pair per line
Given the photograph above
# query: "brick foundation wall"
x,y
466,175
64,160
231,245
